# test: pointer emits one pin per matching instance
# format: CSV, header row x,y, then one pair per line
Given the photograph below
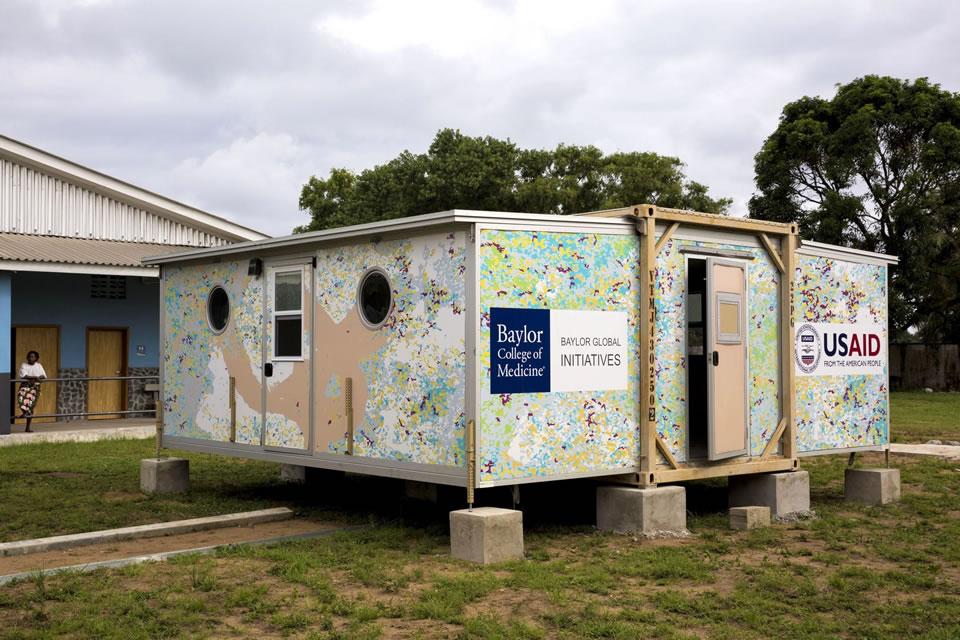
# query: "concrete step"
x,y
144,531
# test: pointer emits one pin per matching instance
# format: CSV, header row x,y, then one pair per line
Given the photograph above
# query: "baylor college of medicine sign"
x,y
554,350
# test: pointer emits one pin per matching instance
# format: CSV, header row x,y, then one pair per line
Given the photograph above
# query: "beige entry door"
x,y
287,349
106,358
46,342
726,359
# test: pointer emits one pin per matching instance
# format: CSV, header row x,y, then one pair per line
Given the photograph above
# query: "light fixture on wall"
x,y
255,268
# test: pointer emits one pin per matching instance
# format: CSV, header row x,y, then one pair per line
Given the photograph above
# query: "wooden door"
x,y
106,357
46,342
726,359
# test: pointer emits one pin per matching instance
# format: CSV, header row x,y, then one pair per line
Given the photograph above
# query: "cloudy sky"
x,y
230,106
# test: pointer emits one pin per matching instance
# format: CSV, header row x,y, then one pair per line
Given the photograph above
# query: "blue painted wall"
x,y
64,299
5,305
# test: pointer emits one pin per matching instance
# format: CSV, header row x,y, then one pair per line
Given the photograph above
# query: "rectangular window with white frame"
x,y
288,314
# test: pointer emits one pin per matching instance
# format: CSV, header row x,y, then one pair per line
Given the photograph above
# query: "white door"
x,y
726,359
286,349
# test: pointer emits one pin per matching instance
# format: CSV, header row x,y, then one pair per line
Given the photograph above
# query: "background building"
x,y
72,286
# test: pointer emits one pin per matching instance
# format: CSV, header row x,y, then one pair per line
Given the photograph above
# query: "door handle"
x,y
716,358
268,369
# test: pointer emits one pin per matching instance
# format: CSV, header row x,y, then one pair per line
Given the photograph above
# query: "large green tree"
x,y
461,172
877,167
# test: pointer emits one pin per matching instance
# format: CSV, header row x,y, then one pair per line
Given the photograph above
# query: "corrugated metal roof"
x,y
44,194
28,248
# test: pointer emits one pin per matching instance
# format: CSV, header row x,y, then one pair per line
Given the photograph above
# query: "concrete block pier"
x,y
786,492
486,534
871,486
167,475
647,511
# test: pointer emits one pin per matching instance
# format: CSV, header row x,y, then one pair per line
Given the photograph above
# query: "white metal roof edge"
x,y
127,192
824,250
452,216
70,267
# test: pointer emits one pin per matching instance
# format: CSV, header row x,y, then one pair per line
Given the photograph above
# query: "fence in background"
x,y
925,366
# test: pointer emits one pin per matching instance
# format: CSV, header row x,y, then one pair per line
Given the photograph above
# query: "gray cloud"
x,y
231,106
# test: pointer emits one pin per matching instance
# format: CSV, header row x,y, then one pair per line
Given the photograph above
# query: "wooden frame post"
x,y
648,315
233,408
774,256
646,217
472,464
665,238
788,396
348,410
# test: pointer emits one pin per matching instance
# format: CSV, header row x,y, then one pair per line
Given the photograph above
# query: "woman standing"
x,y
31,372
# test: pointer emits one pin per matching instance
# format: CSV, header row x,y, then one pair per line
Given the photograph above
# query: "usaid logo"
x,y
851,344
807,348
835,349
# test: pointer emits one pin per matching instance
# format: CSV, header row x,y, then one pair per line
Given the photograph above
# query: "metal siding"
x,y
34,202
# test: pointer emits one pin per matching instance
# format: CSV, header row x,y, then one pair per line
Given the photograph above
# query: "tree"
x,y
877,167
458,171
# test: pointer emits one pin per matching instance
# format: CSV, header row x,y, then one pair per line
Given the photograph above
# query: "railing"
x,y
150,412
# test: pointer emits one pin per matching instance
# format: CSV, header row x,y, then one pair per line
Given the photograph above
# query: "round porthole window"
x,y
218,309
374,298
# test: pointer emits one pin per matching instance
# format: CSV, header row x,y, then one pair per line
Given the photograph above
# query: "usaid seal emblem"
x,y
807,348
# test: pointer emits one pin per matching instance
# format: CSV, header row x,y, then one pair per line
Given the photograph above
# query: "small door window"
x,y
729,321
288,314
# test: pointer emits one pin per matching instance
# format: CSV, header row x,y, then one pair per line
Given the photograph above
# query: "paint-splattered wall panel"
x,y
840,354
763,282
198,362
541,433
409,376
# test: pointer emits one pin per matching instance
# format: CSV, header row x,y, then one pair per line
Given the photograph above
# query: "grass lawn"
x,y
916,416
852,572
96,485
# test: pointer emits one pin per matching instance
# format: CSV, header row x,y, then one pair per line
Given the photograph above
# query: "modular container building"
x,y
479,349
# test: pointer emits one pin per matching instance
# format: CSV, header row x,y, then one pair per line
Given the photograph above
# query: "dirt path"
x,y
146,546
